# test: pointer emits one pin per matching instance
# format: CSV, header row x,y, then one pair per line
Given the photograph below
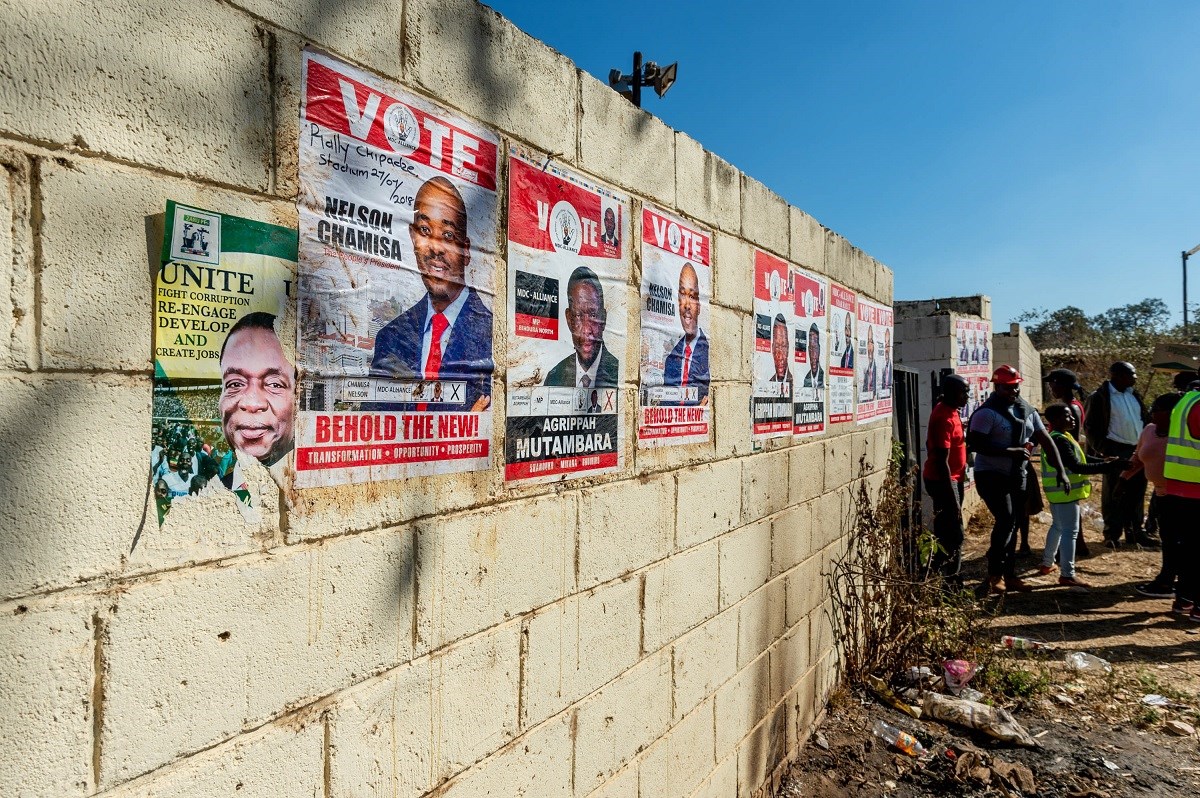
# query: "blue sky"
x,y
1043,153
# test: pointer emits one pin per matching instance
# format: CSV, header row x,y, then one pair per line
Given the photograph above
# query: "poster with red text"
x,y
568,272
810,295
774,325
842,317
874,361
398,230
973,360
673,403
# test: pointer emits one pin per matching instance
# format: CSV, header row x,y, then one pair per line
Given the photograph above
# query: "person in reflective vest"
x,y
1181,468
1064,498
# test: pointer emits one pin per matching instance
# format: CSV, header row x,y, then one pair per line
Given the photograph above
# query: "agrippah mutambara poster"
x,y
774,322
811,310
568,274
674,407
398,228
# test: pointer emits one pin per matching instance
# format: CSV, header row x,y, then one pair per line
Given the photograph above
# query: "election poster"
x,y
874,361
224,383
673,403
973,361
774,325
398,229
568,270
842,317
810,295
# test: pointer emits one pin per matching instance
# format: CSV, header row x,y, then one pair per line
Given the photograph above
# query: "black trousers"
x,y
947,496
1179,527
1004,495
1123,509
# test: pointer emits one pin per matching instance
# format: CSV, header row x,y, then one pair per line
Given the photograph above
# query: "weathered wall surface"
x,y
1015,348
658,632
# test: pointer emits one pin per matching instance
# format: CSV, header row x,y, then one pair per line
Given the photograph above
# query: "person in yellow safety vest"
x,y
1181,468
1064,500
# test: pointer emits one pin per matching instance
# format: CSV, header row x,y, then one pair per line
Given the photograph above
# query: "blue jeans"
x,y
1061,537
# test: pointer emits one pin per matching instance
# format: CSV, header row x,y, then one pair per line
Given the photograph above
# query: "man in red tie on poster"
x,y
447,335
687,364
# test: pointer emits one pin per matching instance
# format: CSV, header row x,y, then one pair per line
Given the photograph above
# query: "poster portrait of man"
x,y
591,364
611,236
870,370
815,376
779,353
848,337
687,363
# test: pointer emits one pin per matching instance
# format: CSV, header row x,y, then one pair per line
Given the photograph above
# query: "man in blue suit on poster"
x,y
447,334
687,363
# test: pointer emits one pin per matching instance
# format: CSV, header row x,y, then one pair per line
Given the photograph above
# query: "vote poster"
x,y
973,361
568,271
842,318
674,407
398,229
810,295
774,326
875,378
224,382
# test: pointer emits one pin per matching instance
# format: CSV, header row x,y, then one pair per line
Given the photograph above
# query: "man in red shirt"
x,y
944,473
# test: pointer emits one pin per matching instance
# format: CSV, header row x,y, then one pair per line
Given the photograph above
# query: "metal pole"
x,y
637,91
1184,256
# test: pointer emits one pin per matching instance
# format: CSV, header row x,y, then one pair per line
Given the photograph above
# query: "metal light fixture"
x,y
661,79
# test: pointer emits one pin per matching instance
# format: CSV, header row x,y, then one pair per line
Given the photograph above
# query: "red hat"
x,y
1006,375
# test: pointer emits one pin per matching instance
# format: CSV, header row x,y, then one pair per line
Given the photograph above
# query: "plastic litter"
x,y
957,672
915,674
881,689
993,721
1180,728
970,694
1088,663
898,738
1024,644
1155,700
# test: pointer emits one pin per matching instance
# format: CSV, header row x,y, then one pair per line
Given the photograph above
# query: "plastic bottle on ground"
x,y
898,738
1012,641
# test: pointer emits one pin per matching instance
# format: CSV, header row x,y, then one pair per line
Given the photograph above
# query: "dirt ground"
x,y
1097,737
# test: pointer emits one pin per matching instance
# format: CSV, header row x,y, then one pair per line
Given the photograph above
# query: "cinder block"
x,y
708,502
624,144
733,275
53,427
285,758
808,241
722,782
791,538
765,748
834,509
727,357
487,566
821,632
679,594
475,686
764,485
86,328
707,187
806,473
381,740
790,660
622,785
338,28
616,723
807,708
474,59
609,545
731,409
805,589
766,217
195,656
194,110
839,265
577,645
537,763
704,659
840,467
745,561
46,680
885,281
761,620
18,300
864,272
678,761
741,703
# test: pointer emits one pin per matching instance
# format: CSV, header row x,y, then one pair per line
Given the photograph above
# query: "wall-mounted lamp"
x,y
630,86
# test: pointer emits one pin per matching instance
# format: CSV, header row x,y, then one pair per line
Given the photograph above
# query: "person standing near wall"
x,y
1182,465
944,474
1115,418
1063,385
1001,433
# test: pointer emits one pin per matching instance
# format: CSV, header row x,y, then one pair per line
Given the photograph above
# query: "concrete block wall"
x,y
657,632
1015,348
